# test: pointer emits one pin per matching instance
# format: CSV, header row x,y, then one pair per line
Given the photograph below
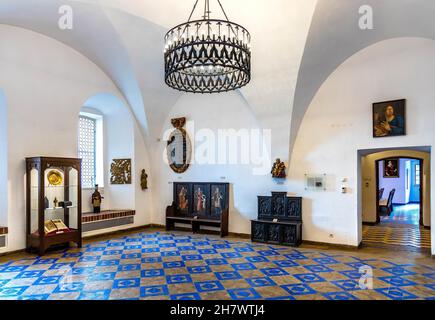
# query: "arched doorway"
x,y
389,216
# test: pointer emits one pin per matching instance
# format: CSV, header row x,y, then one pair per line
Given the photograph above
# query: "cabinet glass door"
x,y
34,200
61,185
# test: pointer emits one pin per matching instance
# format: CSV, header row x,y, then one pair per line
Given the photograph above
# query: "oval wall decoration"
x,y
179,147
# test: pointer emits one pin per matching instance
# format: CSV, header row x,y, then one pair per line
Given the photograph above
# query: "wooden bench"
x,y
187,213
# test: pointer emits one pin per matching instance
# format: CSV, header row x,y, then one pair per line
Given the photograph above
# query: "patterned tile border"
x,y
107,215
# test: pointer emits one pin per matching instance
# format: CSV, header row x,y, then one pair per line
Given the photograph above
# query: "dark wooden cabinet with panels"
x,y
53,207
279,220
199,204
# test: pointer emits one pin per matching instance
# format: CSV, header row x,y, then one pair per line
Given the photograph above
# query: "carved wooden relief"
x,y
258,231
294,208
278,204
273,233
120,171
264,206
289,235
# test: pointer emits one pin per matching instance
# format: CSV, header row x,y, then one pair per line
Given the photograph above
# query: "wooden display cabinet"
x,y
53,193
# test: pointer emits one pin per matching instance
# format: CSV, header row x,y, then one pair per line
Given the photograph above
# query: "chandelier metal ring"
x,y
208,55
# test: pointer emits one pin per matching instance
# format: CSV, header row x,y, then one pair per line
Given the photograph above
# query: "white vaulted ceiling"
x,y
125,39
296,45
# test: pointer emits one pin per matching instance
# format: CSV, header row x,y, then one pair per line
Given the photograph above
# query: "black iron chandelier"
x,y
207,55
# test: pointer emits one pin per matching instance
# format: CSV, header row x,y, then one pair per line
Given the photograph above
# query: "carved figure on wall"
x,y
144,180
96,200
120,170
278,169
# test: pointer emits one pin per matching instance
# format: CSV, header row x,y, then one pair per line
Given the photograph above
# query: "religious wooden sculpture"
x,y
120,170
278,169
96,200
144,180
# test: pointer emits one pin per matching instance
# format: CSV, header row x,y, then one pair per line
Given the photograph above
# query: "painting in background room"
x,y
200,199
389,118
391,168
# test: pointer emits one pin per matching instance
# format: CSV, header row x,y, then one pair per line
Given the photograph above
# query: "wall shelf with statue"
x,y
53,202
279,220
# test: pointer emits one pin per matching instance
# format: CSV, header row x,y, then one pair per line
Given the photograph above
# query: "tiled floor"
x,y
400,235
407,214
401,228
159,265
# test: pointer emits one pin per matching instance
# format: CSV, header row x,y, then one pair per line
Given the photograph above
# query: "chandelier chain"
x,y
193,10
207,10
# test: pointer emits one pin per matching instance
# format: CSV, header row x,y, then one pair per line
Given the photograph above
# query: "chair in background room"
x,y
381,193
387,204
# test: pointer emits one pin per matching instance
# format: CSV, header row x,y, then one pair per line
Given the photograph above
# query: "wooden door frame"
x,y
421,162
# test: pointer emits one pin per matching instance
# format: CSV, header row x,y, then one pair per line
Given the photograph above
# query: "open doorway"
x,y
395,198
400,191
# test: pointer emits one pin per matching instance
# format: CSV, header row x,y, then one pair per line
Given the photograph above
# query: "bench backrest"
x,y
200,199
279,206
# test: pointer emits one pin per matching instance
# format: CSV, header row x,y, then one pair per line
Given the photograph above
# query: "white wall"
x,y
45,83
213,113
338,124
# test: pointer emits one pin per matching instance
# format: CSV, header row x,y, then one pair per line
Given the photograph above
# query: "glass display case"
x,y
53,192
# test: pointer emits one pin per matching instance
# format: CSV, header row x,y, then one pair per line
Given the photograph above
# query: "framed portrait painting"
x,y
389,118
391,168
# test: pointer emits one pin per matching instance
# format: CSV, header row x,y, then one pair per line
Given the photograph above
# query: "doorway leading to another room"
x,y
399,185
396,198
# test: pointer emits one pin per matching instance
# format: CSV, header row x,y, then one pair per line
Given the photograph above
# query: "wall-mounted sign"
x,y
315,182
